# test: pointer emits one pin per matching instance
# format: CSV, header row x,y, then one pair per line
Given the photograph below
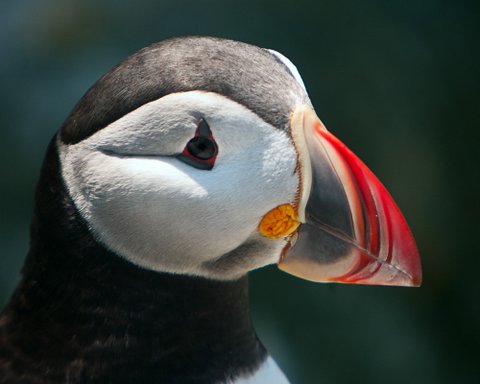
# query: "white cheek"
x,y
164,215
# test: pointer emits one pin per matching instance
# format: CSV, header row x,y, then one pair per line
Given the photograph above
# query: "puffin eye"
x,y
202,150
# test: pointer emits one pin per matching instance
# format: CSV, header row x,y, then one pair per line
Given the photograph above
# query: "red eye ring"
x,y
201,151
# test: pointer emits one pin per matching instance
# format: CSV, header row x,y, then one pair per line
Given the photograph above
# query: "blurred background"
x,y
397,81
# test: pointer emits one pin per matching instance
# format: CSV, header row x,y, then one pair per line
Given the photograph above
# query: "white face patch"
x,y
149,207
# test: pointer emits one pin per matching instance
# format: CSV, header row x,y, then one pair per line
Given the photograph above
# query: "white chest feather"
x,y
268,373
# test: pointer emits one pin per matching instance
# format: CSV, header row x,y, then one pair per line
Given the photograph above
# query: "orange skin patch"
x,y
279,222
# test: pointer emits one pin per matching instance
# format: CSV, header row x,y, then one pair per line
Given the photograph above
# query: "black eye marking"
x,y
202,150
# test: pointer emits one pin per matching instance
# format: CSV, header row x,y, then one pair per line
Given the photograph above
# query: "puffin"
x,y
187,165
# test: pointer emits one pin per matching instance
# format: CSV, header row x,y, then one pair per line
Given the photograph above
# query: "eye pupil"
x,y
201,151
201,147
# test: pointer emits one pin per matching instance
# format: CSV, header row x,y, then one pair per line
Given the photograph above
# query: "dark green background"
x,y
397,81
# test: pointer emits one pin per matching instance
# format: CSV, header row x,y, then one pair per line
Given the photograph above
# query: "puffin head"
x,y
204,157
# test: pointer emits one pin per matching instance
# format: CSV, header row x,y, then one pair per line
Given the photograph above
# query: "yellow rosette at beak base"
x,y
279,222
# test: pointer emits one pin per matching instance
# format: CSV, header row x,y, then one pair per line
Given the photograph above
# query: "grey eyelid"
x,y
113,153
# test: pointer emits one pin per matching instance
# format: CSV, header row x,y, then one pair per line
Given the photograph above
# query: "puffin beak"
x,y
351,230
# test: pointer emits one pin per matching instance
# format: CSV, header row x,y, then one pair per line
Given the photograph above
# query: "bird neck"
x,y
81,304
